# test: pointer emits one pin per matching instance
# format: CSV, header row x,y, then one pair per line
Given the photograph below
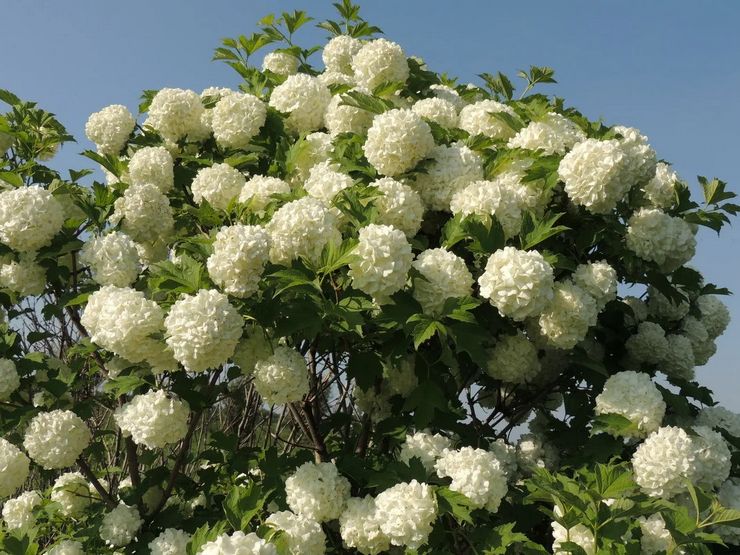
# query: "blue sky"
x,y
668,67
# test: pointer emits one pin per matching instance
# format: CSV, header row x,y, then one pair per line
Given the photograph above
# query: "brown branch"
x,y
88,474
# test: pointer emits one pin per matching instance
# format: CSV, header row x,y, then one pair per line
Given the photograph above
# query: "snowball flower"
x,y
664,461
396,141
359,526
219,185
477,474
143,212
311,150
424,446
23,276
30,217
176,114
113,259
14,468
304,99
719,417
638,307
660,191
553,134
152,164
444,275
121,320
400,377
55,439
398,206
338,53
9,379
448,93
491,198
72,491
594,174
203,329
238,543
454,168
282,377
240,253
713,458
714,315
599,280
649,344
18,512
655,537
341,118
440,111
382,260
66,547
380,61
170,542
566,319
280,63
317,491
237,118
634,396
657,237
408,511
679,360
252,348
477,119
578,534
302,228
153,419
110,128
640,157
663,308
304,536
325,181
518,283
120,525
513,359
258,191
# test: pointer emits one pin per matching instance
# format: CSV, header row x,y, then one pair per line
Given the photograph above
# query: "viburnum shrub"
x,y
356,307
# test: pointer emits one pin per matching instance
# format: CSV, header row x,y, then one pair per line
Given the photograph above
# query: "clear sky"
x,y
668,67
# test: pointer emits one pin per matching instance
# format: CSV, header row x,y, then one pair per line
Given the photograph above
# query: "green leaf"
x,y
366,102
499,84
455,504
365,367
121,385
205,534
613,424
536,231
242,504
425,328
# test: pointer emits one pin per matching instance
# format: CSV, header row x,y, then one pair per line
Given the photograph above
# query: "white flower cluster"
x,y
641,158
14,468
382,261
478,119
315,148
444,275
170,542
325,181
719,417
304,536
120,525
144,213
338,53
670,456
440,111
599,280
55,439
280,63
424,446
302,228
359,526
18,512
396,141
258,191
252,348
513,359
491,198
449,94
655,537
153,419
240,253
219,185
534,451
398,206
72,491
237,118
177,114
110,128
10,381
553,134
679,360
203,330
122,320
568,316
238,543
66,547
578,534
152,164
341,118
454,167
714,315
317,491
30,217
408,511
649,344
23,276
660,191
282,377
304,98
113,259
477,474
634,396
658,237
400,377
375,62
